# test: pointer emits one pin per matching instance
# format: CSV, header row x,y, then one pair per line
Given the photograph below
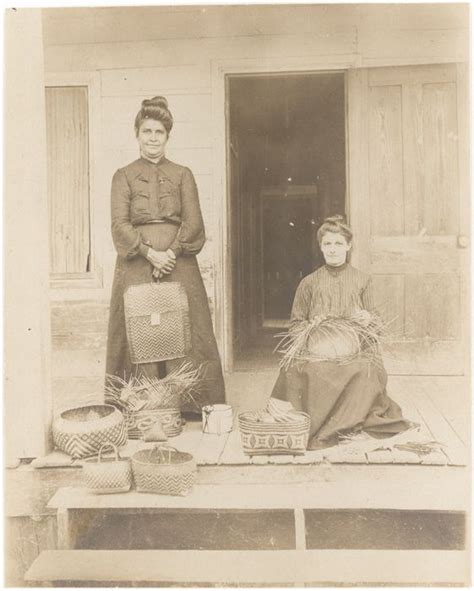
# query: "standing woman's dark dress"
x,y
157,206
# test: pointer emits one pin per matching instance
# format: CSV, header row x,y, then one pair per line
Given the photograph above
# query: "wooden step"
x,y
307,495
237,567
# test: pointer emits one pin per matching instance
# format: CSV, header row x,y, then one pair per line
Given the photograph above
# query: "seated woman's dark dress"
x,y
157,205
339,397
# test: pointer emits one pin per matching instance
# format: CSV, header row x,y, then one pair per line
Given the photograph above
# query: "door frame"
x,y
220,69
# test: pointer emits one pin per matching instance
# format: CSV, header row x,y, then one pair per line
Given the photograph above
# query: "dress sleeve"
x,y
301,304
191,235
127,239
368,298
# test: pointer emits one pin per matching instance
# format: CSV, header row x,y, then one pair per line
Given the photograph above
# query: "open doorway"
x,y
287,159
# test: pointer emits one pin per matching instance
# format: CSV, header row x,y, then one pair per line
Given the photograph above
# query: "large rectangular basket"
x,y
157,321
259,438
164,470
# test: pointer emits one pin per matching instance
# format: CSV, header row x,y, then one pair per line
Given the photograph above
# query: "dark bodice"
x,y
144,192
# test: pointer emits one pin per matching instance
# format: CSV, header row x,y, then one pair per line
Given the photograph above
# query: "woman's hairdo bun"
x,y
335,223
155,108
335,219
157,101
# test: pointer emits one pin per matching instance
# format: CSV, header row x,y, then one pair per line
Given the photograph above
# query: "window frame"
x,y
94,277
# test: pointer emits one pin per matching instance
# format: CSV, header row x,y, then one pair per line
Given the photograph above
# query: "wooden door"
x,y
408,205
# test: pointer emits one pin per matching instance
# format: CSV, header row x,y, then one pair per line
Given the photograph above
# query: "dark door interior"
x,y
287,253
287,164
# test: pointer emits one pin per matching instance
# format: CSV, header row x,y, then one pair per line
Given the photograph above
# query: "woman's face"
x,y
152,137
335,247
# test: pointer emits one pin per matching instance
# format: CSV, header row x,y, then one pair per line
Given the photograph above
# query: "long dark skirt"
x,y
204,348
341,398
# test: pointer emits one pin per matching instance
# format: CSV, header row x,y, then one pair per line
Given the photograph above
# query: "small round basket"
x,y
164,470
81,432
106,475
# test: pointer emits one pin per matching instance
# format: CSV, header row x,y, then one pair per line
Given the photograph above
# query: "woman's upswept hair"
x,y
337,225
155,108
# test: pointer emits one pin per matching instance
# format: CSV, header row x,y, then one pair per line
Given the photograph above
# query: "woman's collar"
x,y
336,270
160,161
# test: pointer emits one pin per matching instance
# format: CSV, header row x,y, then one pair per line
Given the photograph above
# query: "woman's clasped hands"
x,y
163,261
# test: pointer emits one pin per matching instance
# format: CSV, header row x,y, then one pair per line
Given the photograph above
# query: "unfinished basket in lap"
x,y
157,322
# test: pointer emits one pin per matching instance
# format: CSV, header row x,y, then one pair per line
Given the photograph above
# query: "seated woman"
x,y
346,396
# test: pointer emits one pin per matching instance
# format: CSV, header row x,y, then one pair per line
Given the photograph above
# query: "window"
x,y
69,183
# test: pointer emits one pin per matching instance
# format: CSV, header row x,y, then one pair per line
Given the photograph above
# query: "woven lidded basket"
x,y
157,321
164,470
139,421
108,474
81,432
259,438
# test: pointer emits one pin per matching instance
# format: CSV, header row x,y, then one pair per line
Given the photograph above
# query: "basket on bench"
x,y
164,470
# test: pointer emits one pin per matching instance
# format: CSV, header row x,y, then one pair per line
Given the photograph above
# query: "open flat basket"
x,y
157,321
260,438
164,470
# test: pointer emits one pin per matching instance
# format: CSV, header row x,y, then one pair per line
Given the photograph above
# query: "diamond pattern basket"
x,y
164,470
260,438
106,475
157,321
82,431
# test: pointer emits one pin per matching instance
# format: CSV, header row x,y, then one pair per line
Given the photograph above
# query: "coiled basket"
x,y
81,432
164,470
259,438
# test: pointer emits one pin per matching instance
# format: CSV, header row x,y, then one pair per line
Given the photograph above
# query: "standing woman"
x,y
157,227
345,397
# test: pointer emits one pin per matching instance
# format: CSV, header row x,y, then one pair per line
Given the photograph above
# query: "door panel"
x,y
408,167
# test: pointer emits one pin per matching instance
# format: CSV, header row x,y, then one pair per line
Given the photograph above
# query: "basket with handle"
x,y
105,475
164,470
157,321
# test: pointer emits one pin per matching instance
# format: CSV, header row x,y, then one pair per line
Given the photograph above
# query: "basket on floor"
x,y
164,470
157,321
81,432
139,421
106,474
259,438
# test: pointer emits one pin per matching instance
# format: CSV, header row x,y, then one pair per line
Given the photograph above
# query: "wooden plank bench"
x,y
413,567
376,494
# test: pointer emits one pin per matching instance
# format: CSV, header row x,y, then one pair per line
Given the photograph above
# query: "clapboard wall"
x,y
139,52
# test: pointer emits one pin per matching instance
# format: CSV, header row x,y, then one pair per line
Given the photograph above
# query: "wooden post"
x,y
27,318
64,533
300,529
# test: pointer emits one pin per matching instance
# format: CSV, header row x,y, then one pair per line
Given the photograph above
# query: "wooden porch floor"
x,y
440,405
